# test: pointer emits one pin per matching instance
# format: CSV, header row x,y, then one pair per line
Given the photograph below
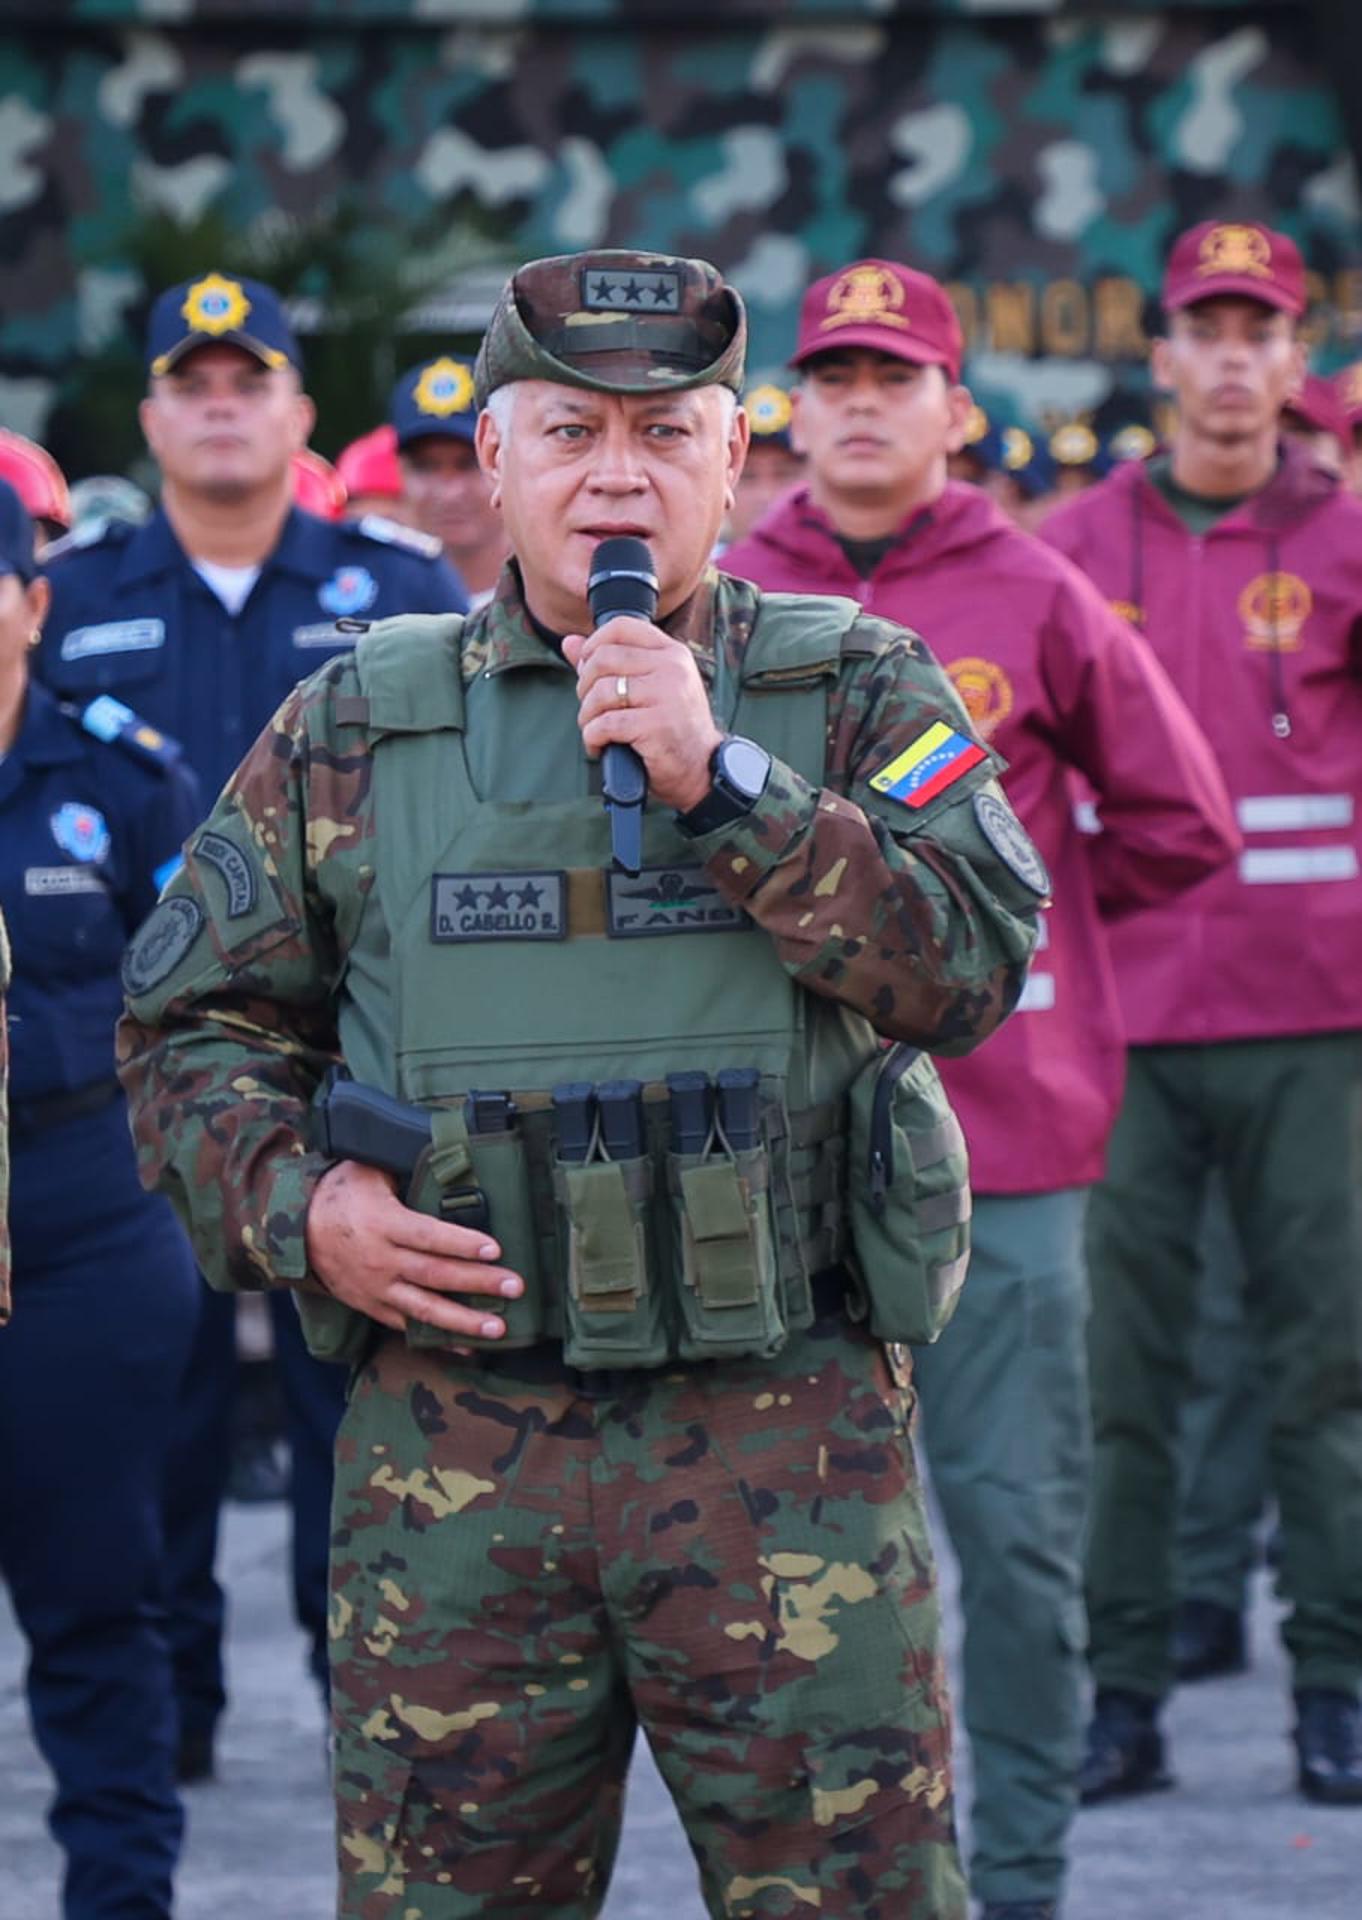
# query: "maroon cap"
x,y
1348,386
880,305
1320,406
1225,256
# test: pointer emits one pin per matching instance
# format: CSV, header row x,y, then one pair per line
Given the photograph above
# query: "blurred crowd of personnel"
x,y
419,469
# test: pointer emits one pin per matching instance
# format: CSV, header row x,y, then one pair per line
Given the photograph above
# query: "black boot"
x,y
1208,1641
1329,1745
1125,1749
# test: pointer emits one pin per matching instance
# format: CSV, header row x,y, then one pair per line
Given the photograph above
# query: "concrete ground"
x,y
1234,1842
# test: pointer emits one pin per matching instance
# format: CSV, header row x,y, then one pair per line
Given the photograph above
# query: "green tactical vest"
x,y
501,953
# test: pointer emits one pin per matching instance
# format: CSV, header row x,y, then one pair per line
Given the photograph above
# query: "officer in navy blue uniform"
x,y
203,619
434,417
93,807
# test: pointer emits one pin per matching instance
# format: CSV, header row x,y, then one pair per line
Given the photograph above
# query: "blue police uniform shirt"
x,y
89,828
130,617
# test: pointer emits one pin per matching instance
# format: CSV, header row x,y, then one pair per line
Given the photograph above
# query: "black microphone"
x,y
622,580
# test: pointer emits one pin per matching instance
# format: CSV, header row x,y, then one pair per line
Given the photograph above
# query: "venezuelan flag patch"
x,y
935,760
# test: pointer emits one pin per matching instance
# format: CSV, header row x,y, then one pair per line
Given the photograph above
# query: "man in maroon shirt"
x,y
1065,691
1242,562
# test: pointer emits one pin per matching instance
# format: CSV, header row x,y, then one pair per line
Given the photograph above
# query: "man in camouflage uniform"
x,y
530,1556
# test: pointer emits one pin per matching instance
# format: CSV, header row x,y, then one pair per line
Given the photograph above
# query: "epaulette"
x,y
89,533
391,533
109,720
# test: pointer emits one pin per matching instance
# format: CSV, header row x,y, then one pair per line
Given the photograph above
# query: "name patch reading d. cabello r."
x,y
497,906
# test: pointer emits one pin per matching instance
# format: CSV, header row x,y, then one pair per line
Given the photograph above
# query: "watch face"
x,y
745,766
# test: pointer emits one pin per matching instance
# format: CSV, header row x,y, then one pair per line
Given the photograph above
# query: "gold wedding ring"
x,y
622,689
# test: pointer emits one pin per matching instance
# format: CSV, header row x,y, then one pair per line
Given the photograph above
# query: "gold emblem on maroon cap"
x,y
865,297
1234,249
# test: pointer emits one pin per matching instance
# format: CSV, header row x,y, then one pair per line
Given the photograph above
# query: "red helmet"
x,y
369,464
35,477
317,486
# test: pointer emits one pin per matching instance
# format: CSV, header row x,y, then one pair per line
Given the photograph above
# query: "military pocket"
x,y
482,1180
613,1311
724,1255
908,1196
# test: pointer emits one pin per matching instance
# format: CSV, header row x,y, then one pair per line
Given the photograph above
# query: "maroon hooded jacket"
x,y
1061,688
1259,624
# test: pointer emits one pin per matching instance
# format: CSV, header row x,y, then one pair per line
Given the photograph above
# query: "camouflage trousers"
x,y
734,1556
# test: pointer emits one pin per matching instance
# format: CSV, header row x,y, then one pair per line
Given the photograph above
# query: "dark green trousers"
x,y
1004,1426
1280,1119
1223,1436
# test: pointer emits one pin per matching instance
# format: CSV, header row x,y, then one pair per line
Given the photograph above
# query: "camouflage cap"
x,y
615,322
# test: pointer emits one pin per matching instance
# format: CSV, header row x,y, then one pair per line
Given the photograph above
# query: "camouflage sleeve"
x,y
920,916
229,1024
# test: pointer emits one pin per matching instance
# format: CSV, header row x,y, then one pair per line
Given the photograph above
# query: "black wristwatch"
x,y
738,772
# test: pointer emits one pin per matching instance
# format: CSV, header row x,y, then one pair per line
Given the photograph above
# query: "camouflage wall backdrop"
x,y
1038,158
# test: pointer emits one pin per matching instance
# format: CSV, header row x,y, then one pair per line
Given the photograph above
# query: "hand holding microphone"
x,y
644,707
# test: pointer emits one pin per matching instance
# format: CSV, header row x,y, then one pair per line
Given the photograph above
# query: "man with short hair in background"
x,y
202,619
1241,561
434,417
1062,689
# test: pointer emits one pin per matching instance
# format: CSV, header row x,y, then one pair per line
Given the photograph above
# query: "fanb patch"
x,y
497,906
668,900
1011,842
160,943
232,868
641,290
936,760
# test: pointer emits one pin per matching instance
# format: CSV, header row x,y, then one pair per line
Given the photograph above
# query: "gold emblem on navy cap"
x,y
1235,249
1135,442
1018,449
214,305
445,387
769,409
866,296
1074,445
976,426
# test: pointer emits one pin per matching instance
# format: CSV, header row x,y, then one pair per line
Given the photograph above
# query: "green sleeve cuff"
x,y
282,1258
739,856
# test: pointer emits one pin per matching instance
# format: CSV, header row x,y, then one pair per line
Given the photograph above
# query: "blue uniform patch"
x,y
349,590
81,831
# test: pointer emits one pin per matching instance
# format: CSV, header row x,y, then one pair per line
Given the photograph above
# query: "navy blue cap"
x,y
219,310
435,398
16,535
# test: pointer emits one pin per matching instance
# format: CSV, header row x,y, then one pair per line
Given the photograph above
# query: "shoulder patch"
x,y
936,760
391,533
160,943
118,726
232,868
1011,842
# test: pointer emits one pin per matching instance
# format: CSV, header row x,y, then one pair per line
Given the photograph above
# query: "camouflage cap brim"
x,y
615,321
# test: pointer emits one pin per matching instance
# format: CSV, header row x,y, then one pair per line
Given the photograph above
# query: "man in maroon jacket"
x,y
1065,691
1242,562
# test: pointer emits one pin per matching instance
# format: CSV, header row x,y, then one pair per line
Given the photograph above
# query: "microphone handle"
x,y
624,788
